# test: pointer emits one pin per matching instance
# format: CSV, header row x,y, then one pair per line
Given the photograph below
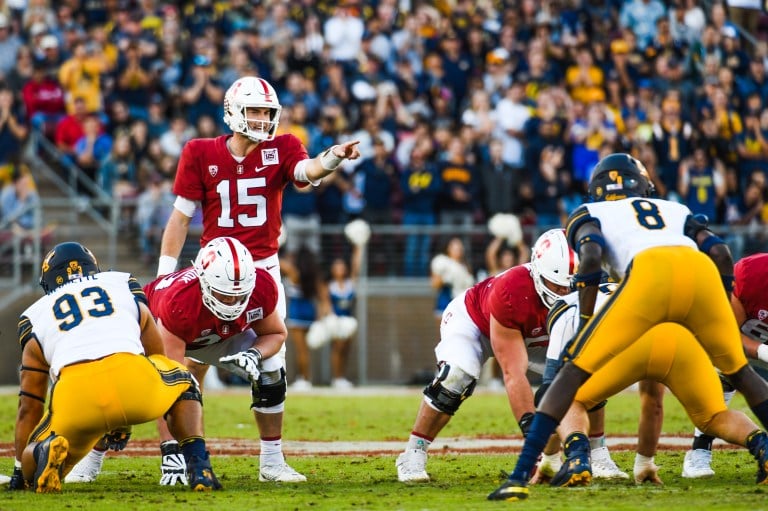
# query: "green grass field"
x,y
369,482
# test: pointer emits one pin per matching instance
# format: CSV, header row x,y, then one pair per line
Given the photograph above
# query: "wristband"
x,y
330,161
166,264
257,353
762,353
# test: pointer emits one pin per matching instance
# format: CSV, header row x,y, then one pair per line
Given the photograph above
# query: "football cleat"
x,y
87,469
696,464
577,469
280,473
511,490
50,454
603,466
757,443
201,476
412,466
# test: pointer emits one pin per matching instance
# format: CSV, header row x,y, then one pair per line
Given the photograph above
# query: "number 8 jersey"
x,y
632,225
86,319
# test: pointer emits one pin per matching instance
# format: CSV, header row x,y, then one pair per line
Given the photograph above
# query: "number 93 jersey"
x,y
86,319
632,225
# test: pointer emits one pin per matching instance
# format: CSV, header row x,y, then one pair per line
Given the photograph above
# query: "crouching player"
x,y
94,336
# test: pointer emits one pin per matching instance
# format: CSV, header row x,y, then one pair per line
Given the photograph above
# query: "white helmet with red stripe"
x,y
552,259
252,92
227,277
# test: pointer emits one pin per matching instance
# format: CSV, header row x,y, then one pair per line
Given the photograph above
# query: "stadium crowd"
x,y
463,108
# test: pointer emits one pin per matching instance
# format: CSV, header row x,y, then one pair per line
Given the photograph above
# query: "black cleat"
x,y
200,474
50,454
511,490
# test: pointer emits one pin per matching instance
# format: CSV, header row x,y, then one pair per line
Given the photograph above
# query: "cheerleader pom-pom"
x,y
506,225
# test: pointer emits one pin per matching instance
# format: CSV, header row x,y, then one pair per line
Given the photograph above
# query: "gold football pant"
x,y
93,398
664,284
668,354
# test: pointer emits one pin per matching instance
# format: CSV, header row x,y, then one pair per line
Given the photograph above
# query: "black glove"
x,y
117,439
17,480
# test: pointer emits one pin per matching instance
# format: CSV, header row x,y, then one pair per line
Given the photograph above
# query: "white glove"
x,y
174,470
244,364
645,470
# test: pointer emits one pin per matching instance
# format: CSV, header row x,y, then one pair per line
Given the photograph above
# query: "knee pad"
x,y
450,388
269,394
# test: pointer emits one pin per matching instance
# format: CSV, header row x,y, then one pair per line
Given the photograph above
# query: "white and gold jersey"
x,y
86,319
632,225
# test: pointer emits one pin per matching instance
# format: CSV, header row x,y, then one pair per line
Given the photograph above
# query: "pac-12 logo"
x,y
213,170
762,314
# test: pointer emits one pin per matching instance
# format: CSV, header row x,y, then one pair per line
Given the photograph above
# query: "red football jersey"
x,y
242,200
512,299
750,275
176,301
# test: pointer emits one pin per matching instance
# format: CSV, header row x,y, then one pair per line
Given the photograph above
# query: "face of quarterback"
x,y
258,118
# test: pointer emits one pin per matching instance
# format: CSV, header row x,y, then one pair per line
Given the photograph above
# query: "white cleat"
x,y
696,464
87,469
300,384
412,466
603,466
342,384
280,473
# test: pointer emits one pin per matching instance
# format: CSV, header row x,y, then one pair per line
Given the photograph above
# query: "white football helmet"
x,y
251,91
552,259
225,268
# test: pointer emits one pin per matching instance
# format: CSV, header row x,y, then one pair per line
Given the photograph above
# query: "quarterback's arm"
x,y
174,236
509,349
271,334
150,334
33,388
323,164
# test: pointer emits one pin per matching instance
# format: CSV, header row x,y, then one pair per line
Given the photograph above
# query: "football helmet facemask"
x,y
65,262
618,176
227,277
552,259
252,92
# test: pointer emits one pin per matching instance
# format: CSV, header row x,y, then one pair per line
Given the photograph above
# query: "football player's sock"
x,y
761,412
702,441
271,451
419,442
597,441
541,429
192,446
755,441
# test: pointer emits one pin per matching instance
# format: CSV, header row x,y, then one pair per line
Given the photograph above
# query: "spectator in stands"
x,y
10,43
458,200
420,182
512,113
69,130
157,120
380,184
202,91
13,133
153,208
179,133
672,143
80,76
701,183
343,33
92,148
44,100
641,16
117,173
17,201
133,83
20,74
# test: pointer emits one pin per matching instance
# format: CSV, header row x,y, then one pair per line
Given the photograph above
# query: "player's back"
x,y
86,319
630,226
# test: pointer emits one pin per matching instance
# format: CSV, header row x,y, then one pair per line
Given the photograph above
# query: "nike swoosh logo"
x,y
270,267
259,169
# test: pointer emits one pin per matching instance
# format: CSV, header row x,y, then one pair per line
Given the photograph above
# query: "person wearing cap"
x,y
43,98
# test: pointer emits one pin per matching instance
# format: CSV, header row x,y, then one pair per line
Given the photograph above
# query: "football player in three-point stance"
x,y
93,335
670,268
238,181
750,304
503,316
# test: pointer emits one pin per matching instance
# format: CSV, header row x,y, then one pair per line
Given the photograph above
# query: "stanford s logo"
x,y
213,170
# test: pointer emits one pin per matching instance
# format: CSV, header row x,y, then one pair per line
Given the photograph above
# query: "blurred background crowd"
x,y
464,108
